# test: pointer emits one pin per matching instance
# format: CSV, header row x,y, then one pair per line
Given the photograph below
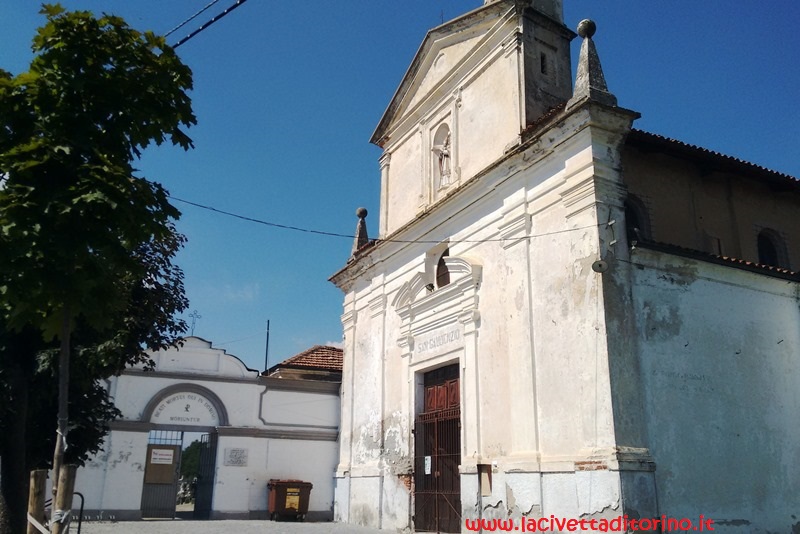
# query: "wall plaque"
x,y
235,457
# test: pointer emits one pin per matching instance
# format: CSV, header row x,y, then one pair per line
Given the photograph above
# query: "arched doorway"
x,y
174,412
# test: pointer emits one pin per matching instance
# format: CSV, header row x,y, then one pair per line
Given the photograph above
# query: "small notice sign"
x,y
162,456
427,465
293,498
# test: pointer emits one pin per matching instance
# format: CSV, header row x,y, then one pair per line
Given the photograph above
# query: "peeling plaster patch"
x,y
522,491
591,465
495,450
564,309
679,275
407,481
512,502
122,458
519,299
362,515
597,491
495,511
396,444
661,321
535,510
366,439
613,510
394,439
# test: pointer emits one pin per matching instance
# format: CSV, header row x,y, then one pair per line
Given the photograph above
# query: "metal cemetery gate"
x,y
205,480
437,438
161,474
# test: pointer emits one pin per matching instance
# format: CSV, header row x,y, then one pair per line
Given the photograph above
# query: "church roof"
x,y
650,141
771,270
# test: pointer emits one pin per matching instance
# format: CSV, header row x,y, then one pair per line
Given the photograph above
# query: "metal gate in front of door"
x,y
437,438
161,474
205,479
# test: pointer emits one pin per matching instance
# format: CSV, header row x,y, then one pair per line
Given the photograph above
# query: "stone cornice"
x,y
278,432
190,376
287,384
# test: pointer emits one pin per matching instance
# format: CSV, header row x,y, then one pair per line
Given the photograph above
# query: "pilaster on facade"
x,y
512,44
384,163
515,226
470,395
515,229
377,306
348,319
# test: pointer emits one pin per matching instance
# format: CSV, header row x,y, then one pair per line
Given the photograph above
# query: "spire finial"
x,y
361,238
590,84
587,28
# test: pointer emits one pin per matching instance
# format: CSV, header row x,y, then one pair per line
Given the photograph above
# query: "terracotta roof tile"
x,y
771,270
317,357
642,139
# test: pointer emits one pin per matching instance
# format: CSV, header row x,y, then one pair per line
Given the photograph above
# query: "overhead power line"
x,y
351,236
209,23
190,19
258,221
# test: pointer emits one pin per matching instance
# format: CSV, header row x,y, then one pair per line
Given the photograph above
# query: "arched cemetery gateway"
x,y
251,428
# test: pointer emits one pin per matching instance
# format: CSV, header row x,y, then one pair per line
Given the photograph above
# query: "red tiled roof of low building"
x,y
317,357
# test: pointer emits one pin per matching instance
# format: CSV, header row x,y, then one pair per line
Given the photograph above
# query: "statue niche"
x,y
441,157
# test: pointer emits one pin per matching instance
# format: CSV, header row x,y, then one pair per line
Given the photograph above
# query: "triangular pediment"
x,y
441,61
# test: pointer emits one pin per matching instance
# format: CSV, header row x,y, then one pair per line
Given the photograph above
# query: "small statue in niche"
x,y
442,152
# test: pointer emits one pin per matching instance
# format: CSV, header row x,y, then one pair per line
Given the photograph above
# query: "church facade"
x,y
563,315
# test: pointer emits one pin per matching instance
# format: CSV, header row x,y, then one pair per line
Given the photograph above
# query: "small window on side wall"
x,y
771,249
637,222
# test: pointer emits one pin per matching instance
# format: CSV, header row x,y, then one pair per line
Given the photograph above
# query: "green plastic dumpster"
x,y
288,499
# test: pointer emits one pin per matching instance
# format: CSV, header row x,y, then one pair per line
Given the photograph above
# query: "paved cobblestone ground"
x,y
212,527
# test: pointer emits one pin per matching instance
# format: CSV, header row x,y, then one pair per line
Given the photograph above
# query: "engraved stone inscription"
x,y
186,409
438,341
236,457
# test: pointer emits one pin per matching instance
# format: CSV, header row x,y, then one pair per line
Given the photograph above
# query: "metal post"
x,y
266,352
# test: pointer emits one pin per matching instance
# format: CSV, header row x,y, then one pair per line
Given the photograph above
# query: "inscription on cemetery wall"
x,y
186,409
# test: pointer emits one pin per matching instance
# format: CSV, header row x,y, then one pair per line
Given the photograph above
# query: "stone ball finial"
x,y
361,213
586,28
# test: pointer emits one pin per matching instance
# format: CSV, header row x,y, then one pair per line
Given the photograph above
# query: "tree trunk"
x,y
63,398
13,464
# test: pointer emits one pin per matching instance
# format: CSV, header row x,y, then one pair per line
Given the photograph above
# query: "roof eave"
x,y
654,142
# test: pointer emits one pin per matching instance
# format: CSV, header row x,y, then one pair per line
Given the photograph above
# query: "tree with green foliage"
x,y
190,461
87,282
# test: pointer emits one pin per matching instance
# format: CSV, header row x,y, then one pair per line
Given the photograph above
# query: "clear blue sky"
x,y
288,93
